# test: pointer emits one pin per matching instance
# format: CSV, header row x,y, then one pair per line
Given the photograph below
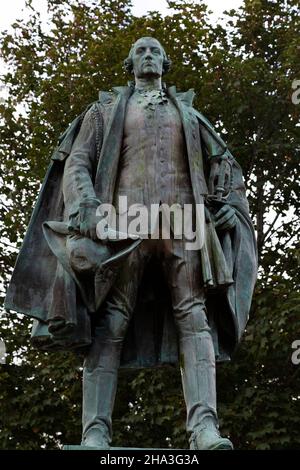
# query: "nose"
x,y
148,54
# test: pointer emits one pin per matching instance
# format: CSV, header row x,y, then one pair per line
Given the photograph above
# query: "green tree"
x,y
242,71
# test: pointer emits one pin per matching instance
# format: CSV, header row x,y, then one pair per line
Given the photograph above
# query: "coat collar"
x,y
186,97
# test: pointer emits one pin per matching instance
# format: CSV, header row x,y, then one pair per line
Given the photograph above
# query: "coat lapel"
x,y
184,101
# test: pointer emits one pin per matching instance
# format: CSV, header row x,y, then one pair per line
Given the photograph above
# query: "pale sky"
x,y
12,9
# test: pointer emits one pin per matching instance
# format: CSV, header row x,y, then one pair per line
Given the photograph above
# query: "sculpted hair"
x,y
128,64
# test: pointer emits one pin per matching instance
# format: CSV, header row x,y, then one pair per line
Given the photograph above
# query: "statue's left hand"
x,y
225,218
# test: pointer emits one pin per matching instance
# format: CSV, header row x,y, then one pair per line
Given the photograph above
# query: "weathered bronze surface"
x,y
140,302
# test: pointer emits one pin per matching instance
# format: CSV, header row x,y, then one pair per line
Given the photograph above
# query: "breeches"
x,y
182,272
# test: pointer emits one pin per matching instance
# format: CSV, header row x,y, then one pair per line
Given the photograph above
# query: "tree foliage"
x,y
242,70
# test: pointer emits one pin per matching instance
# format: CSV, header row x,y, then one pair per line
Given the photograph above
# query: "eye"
x,y
140,50
156,50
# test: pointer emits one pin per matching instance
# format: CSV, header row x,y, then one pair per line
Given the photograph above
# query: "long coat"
x,y
44,286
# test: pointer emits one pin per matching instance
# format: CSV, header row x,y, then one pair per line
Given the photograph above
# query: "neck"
x,y
148,83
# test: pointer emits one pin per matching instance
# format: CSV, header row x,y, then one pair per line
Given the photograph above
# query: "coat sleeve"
x,y
80,167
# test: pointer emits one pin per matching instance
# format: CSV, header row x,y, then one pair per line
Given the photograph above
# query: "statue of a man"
x,y
146,142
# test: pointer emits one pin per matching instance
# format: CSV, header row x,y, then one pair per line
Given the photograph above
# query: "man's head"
x,y
147,58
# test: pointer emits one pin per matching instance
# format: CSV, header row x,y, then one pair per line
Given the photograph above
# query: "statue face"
x,y
147,58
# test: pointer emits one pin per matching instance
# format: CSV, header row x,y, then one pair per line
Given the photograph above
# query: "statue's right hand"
x,y
88,220
88,228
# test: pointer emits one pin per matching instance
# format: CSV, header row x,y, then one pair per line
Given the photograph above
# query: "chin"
x,y
149,70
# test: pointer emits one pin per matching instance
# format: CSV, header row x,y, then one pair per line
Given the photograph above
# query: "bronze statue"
x,y
140,301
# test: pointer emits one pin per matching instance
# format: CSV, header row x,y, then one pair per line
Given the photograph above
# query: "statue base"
x,y
79,447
